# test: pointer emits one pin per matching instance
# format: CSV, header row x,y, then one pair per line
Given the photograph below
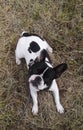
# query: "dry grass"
x,y
60,22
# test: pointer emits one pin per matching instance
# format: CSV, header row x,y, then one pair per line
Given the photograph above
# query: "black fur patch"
x,y
27,35
48,77
37,81
44,54
34,47
31,62
29,50
54,73
59,69
37,68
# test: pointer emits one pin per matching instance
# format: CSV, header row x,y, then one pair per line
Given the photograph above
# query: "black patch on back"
x,y
34,47
37,81
29,50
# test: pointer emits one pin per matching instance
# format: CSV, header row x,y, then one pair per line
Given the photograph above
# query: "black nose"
x,y
31,60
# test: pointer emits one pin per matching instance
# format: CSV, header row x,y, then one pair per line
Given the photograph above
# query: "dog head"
x,y
40,66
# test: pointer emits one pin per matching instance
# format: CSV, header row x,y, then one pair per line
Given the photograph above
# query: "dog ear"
x,y
42,56
60,69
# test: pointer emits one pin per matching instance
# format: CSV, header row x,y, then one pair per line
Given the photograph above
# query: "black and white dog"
x,y
41,73
42,77
29,46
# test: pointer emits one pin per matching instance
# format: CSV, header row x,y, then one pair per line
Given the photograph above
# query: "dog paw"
x,y
50,50
18,62
60,109
35,110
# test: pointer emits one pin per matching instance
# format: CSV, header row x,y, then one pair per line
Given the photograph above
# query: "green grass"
x,y
60,23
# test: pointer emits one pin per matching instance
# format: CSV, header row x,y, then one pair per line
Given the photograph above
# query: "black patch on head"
x,y
36,81
39,65
37,68
34,47
48,76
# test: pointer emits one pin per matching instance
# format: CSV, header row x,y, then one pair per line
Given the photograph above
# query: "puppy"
x,y
29,46
42,77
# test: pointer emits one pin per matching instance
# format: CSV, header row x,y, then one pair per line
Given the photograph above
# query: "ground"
x,y
60,22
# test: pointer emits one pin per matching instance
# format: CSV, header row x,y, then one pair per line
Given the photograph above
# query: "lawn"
x,y
60,22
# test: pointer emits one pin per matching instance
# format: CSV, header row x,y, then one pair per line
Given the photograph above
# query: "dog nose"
x,y
31,60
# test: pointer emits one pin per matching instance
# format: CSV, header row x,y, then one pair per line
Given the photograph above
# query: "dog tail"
x,y
24,34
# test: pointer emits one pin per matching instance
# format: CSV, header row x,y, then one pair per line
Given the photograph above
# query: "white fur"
x,y
53,88
24,43
40,87
22,52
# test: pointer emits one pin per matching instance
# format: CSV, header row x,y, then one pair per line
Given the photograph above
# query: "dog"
x,y
41,73
29,46
42,77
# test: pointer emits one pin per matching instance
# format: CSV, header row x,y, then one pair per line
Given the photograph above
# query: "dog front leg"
x,y
55,90
35,102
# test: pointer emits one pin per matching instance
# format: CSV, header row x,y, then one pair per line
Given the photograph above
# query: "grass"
x,y
60,23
